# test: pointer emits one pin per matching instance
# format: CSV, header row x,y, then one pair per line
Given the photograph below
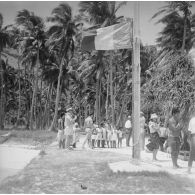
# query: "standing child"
x,y
114,137
120,138
93,136
99,137
75,134
104,135
109,137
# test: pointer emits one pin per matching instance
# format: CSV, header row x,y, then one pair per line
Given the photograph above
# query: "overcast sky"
x,y
149,31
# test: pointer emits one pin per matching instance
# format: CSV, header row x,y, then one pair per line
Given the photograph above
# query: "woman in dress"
x,y
153,146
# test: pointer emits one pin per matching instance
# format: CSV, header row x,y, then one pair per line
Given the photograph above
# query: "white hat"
x,y
69,109
153,116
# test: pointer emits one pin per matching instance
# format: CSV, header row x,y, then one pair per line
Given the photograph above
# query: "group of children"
x,y
106,136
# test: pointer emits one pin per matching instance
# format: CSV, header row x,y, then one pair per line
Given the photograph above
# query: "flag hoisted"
x,y
118,36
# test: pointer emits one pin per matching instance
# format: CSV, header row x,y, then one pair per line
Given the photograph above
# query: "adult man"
x,y
128,127
174,136
88,125
69,124
191,130
142,130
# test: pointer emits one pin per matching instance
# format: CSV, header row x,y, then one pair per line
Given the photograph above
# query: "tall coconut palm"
x,y
34,39
179,21
61,34
100,14
4,41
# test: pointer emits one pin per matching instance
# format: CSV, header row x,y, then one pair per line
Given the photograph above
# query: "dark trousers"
x,y
93,143
103,143
128,136
114,144
62,143
98,143
120,142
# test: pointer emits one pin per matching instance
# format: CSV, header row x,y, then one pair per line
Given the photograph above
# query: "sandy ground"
x,y
14,158
146,163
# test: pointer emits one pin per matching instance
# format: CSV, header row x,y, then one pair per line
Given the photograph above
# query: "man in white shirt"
x,y
128,127
191,130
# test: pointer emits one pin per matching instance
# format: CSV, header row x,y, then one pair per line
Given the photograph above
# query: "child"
x,y
120,138
60,135
114,137
75,134
93,136
104,132
109,137
99,137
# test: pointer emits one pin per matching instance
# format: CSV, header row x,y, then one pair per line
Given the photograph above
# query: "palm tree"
x,y
100,14
177,34
4,41
61,41
34,39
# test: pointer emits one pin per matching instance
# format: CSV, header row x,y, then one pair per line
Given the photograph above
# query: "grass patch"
x,y
35,138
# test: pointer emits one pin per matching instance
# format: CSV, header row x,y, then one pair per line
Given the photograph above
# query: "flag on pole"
x,y
118,36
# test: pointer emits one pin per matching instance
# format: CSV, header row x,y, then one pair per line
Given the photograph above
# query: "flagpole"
x,y
136,83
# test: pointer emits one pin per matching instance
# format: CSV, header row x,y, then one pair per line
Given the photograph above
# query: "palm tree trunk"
x,y
57,97
111,89
184,35
97,101
123,106
107,95
33,106
2,96
19,95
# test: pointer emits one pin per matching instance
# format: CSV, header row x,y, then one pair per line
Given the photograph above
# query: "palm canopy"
x,y
100,12
33,35
179,23
5,36
62,30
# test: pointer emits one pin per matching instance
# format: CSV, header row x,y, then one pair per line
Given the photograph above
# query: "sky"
x,y
149,30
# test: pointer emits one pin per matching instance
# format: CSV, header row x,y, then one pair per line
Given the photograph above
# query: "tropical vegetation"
x,y
43,70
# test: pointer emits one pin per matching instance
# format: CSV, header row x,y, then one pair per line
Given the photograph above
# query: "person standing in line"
x,y
109,136
174,128
76,130
93,136
114,137
191,130
128,127
120,137
69,124
60,135
88,125
99,137
142,130
104,135
153,145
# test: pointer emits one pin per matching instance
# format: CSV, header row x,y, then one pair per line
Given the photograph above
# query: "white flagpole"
x,y
136,83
